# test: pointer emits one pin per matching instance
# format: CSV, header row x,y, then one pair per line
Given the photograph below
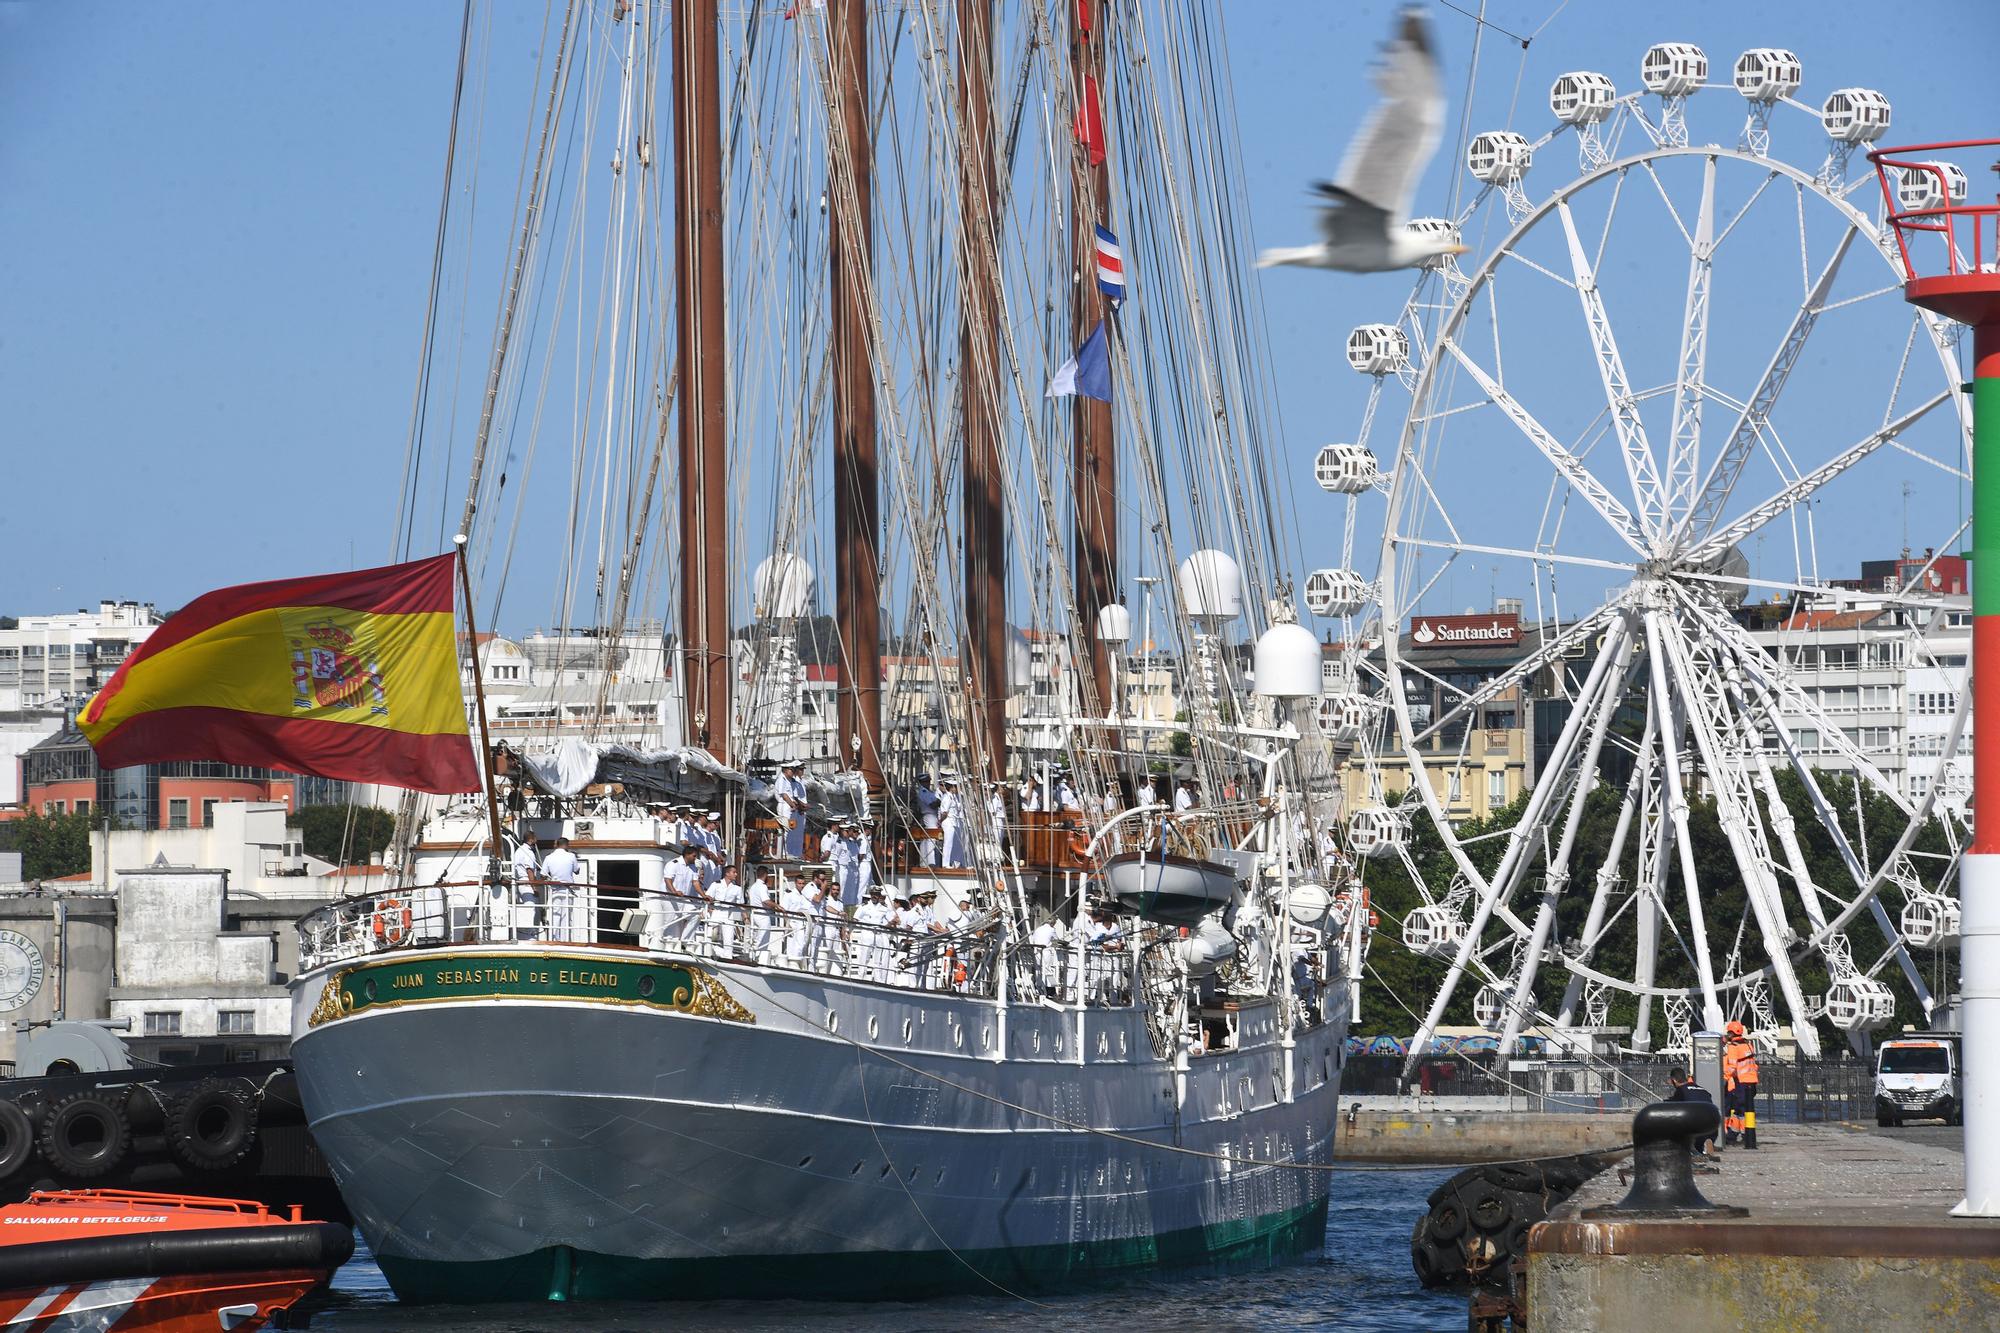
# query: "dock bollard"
x,y
1662,1171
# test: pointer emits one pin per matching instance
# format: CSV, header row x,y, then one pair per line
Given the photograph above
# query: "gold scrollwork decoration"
x,y
713,1000
333,1001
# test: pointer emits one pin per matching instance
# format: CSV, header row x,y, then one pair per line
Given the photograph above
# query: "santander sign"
x,y
1487,631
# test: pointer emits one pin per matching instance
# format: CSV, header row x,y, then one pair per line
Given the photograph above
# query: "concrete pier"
x,y
1848,1228
1460,1131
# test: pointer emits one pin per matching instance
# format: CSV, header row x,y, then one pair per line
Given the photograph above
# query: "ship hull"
x,y
545,1148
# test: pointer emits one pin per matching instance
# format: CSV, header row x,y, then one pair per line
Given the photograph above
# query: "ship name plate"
x,y
393,983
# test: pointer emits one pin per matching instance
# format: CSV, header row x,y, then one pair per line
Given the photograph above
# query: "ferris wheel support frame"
x,y
1667,517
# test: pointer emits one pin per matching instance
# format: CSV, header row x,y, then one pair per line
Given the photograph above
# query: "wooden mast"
x,y
985,646
705,656
857,521
1093,460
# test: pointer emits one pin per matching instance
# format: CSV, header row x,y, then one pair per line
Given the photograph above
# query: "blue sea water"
x,y
1361,1281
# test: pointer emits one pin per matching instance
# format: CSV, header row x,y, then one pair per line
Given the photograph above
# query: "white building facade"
x,y
45,660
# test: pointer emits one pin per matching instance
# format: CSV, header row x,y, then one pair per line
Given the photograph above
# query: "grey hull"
x,y
621,1142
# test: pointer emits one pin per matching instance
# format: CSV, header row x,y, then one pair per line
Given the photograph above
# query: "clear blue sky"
x,y
215,232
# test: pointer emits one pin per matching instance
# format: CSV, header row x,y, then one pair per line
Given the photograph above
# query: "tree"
x,y
345,834
53,846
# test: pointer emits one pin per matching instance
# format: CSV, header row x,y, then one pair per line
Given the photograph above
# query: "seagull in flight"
x,y
1365,216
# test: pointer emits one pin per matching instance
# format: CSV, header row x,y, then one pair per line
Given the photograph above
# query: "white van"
x,y
1917,1078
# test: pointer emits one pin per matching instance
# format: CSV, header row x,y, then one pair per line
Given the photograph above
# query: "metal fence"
x,y
1787,1093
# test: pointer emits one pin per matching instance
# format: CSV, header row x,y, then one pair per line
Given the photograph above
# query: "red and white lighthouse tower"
x,y
1949,248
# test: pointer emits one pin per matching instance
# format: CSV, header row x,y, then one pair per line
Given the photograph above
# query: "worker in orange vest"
x,y
1739,1087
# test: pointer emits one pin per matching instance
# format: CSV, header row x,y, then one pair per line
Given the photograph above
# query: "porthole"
x,y
986,1037
805,1161
907,1030
1104,1043
1123,1047
1035,1042
832,1021
958,1036
873,1029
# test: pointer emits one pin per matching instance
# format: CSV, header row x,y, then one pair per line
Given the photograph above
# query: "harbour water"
x,y
1361,1281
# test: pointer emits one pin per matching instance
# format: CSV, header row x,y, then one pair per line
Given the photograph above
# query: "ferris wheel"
x,y
1668,410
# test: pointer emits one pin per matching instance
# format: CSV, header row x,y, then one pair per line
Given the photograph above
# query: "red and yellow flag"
x,y
349,676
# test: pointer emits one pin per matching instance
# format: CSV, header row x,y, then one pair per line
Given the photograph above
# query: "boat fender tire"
x,y
85,1135
17,1139
1517,1238
1491,1212
213,1127
1484,1203
1425,1261
1516,1176
1448,1220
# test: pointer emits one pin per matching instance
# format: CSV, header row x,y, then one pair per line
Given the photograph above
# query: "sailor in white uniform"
x,y
996,812
1032,800
951,808
518,922
561,869
763,918
725,911
826,951
871,942
795,901
866,867
1147,793
684,896
710,835
843,853
1066,796
792,801
927,806
1184,797
1048,939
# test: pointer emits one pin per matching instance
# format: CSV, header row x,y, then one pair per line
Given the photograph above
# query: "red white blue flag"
x,y
1110,265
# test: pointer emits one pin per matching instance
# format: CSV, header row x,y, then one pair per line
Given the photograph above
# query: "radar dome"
x,y
783,586
1287,663
1210,586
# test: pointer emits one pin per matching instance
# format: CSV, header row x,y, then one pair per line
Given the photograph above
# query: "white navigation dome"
x,y
1210,586
783,587
1114,624
1287,663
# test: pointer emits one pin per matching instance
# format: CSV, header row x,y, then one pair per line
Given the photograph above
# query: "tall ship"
x,y
964,939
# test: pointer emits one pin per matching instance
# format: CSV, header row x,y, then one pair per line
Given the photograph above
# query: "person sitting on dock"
x,y
1685,1089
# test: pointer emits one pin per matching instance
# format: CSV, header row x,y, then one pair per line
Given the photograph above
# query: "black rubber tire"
x,y
1491,1212
17,1139
1481,1198
1425,1261
1530,1207
1884,1121
85,1135
215,1126
1447,1221
1517,1238
1515,1176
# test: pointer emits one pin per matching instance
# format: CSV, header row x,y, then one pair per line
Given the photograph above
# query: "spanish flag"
x,y
349,676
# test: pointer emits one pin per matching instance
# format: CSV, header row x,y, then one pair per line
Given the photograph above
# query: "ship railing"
x,y
1057,971
475,912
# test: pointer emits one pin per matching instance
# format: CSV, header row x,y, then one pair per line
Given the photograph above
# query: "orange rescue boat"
x,y
166,1263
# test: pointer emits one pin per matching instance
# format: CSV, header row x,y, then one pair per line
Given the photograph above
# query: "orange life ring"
x,y
392,922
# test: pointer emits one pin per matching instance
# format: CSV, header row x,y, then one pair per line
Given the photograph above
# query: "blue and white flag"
x,y
1088,373
1110,265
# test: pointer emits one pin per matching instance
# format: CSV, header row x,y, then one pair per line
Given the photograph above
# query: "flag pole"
x,y
479,701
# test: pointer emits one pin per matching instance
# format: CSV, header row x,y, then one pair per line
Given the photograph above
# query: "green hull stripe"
x,y
564,1273
460,977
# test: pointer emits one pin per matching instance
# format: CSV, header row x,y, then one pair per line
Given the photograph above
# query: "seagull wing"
x,y
1350,225
1395,145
